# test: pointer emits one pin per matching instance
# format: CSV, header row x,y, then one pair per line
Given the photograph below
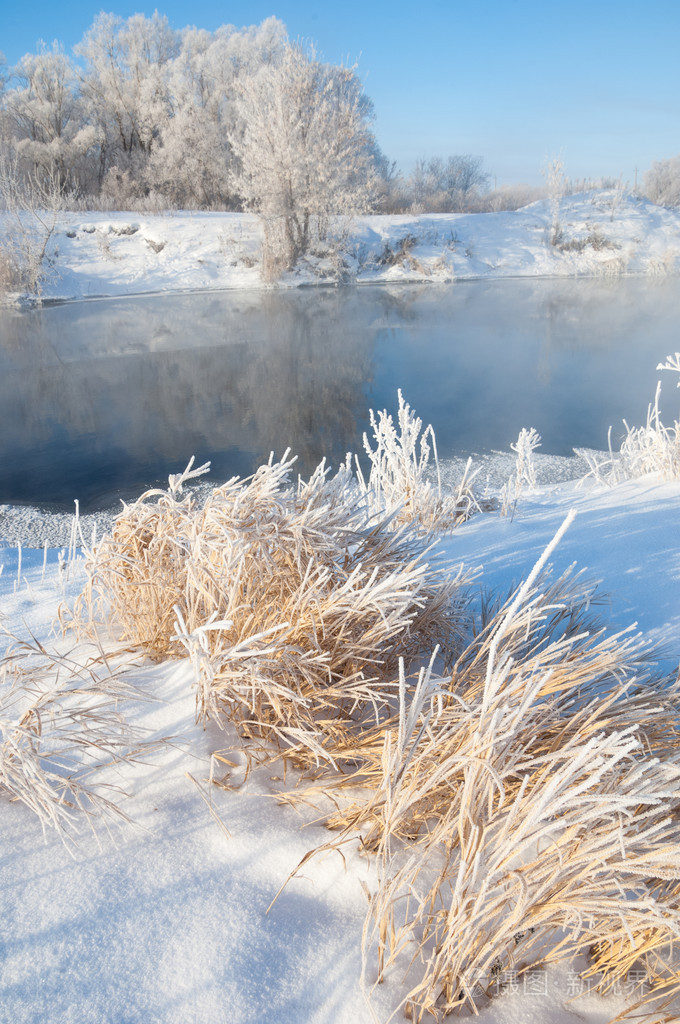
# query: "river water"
x,y
101,399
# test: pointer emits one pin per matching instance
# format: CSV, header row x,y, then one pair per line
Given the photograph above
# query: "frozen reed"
x,y
63,736
523,808
653,448
400,479
525,470
294,603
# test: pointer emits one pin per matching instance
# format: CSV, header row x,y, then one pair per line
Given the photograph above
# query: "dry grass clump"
x,y
399,480
294,603
137,574
654,448
642,953
524,808
595,239
61,734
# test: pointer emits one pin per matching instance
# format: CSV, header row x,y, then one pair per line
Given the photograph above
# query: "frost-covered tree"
x,y
445,186
194,118
125,86
190,163
662,182
391,190
45,116
303,149
557,185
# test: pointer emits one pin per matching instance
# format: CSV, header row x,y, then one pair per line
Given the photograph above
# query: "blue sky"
x,y
516,82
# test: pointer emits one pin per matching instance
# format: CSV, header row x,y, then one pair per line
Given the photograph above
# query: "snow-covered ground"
x,y
170,919
602,232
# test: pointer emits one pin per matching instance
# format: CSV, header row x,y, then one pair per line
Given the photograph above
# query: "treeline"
x,y
145,110
153,117
147,115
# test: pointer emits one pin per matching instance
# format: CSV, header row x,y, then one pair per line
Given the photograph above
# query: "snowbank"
x,y
601,232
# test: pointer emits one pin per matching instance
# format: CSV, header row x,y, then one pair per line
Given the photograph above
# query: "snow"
x,y
625,537
130,254
170,919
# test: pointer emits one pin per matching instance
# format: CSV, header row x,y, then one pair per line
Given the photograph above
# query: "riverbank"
x,y
604,232
29,526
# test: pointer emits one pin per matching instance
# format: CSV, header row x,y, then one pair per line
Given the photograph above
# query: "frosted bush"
x,y
662,182
653,448
30,206
400,478
293,603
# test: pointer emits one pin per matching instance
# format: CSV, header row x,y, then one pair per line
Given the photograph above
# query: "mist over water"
x,y
101,399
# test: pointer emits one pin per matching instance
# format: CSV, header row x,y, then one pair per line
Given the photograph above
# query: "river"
x,y
100,399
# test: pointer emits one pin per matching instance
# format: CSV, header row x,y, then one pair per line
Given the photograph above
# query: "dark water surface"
x,y
101,399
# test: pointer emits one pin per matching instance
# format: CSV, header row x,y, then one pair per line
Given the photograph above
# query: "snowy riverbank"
x,y
601,233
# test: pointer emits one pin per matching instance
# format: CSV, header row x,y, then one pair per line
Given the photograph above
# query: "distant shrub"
x,y
662,182
396,255
30,206
556,184
455,184
156,245
594,240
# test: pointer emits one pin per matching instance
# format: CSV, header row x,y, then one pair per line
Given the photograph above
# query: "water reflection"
x,y
100,399
109,397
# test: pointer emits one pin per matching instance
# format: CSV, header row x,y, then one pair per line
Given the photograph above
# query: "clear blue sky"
x,y
516,82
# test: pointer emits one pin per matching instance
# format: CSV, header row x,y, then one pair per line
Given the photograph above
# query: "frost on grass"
x,y
653,448
525,470
523,808
400,479
518,788
294,603
512,767
62,735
